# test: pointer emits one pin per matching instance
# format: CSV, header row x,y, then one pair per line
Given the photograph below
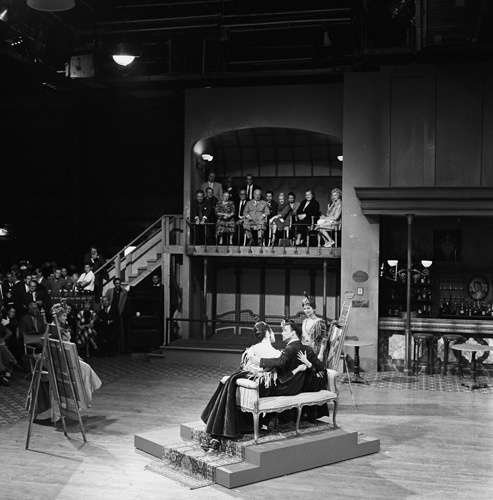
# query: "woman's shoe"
x,y
329,245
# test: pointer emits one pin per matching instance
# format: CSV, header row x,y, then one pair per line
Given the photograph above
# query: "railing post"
x,y
118,265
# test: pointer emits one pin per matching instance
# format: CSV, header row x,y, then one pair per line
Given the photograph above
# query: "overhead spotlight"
x,y
51,5
124,54
16,42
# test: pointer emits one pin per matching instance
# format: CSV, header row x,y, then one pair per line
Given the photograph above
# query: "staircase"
x,y
144,254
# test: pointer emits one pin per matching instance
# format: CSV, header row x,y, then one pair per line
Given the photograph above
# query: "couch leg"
x,y
336,404
255,427
298,418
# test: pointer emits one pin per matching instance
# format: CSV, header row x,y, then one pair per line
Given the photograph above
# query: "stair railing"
x,y
168,225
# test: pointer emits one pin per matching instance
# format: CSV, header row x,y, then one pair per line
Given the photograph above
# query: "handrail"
x,y
158,221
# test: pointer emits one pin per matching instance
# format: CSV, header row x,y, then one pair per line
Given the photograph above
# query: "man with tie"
x,y
200,214
217,188
240,206
249,187
256,214
107,328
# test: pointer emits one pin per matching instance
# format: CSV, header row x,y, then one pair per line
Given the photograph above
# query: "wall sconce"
x,y
396,273
202,160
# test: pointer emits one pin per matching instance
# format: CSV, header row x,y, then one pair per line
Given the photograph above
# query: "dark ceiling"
x,y
184,43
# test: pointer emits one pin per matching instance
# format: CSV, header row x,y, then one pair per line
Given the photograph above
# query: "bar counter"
x,y
466,325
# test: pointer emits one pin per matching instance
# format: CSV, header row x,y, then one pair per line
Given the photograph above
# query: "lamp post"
x,y
406,274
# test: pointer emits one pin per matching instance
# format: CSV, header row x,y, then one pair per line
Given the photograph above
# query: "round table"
x,y
357,378
473,348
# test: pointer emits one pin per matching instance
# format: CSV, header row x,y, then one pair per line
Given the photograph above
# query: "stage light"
x,y
51,5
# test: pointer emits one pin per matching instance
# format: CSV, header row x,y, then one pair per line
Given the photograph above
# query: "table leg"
x,y
357,379
472,383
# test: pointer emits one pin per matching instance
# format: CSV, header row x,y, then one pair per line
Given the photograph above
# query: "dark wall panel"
x,y
458,130
487,152
407,128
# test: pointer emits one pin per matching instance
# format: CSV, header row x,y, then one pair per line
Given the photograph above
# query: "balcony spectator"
x,y
225,216
256,214
250,187
308,211
231,189
217,188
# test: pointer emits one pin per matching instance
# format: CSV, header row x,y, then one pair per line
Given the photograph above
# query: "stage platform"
x,y
280,456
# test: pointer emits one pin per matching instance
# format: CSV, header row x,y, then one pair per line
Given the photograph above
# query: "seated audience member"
x,y
225,216
294,207
306,214
256,215
56,283
280,220
32,326
332,220
86,332
12,325
200,214
7,360
250,187
38,294
8,283
85,283
107,326
231,189
217,188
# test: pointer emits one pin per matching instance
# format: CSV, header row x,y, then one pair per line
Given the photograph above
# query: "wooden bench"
x,y
248,400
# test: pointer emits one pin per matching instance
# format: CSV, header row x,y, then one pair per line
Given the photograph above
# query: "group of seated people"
x,y
299,367
258,218
26,298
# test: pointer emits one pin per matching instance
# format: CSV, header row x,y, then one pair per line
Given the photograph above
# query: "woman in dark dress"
x,y
307,213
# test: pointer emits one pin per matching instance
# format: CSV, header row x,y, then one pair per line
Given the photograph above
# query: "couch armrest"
x,y
332,379
248,384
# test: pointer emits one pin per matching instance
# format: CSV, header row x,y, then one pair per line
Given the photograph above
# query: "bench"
x,y
248,400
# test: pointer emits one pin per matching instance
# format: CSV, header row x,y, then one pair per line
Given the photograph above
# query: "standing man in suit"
x,y
250,187
231,189
217,188
117,297
97,261
20,294
256,215
107,328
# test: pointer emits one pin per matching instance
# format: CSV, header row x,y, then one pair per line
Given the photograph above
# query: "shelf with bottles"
x,y
466,309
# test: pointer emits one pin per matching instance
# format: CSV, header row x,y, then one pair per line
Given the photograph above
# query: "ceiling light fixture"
x,y
51,5
124,55
207,157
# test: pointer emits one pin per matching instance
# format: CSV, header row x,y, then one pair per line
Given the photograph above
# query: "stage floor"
x,y
436,440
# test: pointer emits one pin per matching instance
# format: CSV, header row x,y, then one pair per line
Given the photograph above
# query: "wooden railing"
x,y
166,231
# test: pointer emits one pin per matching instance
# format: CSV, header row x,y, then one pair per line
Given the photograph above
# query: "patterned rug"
x,y
188,464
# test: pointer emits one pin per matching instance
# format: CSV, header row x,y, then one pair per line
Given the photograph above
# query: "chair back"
x,y
337,336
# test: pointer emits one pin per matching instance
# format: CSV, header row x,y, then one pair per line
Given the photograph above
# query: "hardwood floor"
x,y
434,444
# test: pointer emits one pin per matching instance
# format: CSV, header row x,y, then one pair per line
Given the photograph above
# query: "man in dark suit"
x,y
286,363
200,214
230,188
117,298
20,294
107,328
250,187
32,326
240,206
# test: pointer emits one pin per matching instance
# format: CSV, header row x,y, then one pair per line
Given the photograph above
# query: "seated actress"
x,y
221,415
